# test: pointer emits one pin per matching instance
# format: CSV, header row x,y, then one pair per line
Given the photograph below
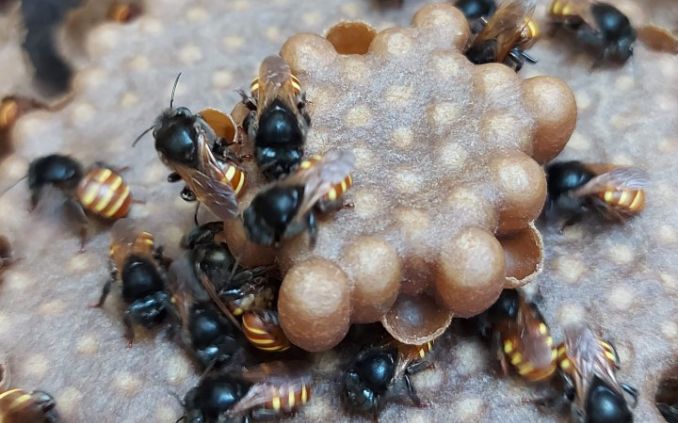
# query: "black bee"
x,y
212,398
376,369
140,268
615,192
19,406
278,120
287,207
193,147
588,366
475,10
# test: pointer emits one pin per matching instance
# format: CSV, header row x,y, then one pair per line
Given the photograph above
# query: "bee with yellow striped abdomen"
x,y
588,366
288,207
262,330
506,35
277,121
521,337
615,192
100,191
376,369
140,267
19,406
196,148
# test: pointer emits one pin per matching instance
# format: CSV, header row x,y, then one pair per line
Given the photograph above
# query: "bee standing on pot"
x,y
288,207
140,268
506,35
615,192
376,369
588,366
186,143
19,406
278,121
521,337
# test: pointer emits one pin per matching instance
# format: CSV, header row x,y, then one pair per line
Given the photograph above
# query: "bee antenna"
x,y
13,185
180,419
174,88
137,139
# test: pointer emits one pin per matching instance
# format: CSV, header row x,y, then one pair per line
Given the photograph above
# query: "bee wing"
x,y
318,179
184,287
618,178
275,372
275,81
658,38
506,25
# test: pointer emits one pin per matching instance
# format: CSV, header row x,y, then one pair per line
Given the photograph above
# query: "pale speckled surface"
x,y
625,278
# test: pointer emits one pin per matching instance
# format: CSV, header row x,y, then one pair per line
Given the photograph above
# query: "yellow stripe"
x,y
118,203
276,403
254,330
241,183
608,196
332,195
108,194
274,348
508,347
637,200
525,369
230,173
566,10
304,394
254,87
565,364
516,358
549,341
8,393
625,198
291,399
543,329
554,354
101,174
263,342
90,194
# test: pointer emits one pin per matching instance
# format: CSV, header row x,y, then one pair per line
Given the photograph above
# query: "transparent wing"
x,y
275,81
619,178
658,38
506,25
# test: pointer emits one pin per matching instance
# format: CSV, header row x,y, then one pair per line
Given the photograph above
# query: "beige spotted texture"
x,y
622,279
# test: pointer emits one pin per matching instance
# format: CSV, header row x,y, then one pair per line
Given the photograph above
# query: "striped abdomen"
x,y
19,406
416,352
262,330
338,189
626,201
234,176
254,86
529,33
288,398
104,193
561,9
537,363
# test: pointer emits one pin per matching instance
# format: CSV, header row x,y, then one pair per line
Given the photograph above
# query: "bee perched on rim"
x,y
614,192
376,369
266,391
140,267
521,337
278,121
588,366
288,207
19,406
476,11
506,35
196,149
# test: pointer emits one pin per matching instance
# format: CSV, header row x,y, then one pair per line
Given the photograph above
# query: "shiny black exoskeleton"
x,y
279,140
476,9
212,338
175,136
143,290
368,379
271,215
563,178
61,171
604,405
614,34
212,398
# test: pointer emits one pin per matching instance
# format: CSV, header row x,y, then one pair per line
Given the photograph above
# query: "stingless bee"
x,y
206,333
376,369
266,391
588,366
506,35
192,146
19,406
475,11
140,267
288,207
521,337
615,192
278,121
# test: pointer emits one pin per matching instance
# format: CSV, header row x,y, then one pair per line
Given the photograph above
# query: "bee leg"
x,y
173,177
187,195
312,226
265,414
77,213
105,290
248,101
195,214
633,392
129,329
419,366
411,392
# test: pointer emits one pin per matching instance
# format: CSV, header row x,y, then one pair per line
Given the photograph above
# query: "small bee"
x,y
262,329
263,392
140,267
476,11
615,192
100,191
376,369
588,366
507,34
278,120
19,406
596,24
186,143
206,334
521,336
288,207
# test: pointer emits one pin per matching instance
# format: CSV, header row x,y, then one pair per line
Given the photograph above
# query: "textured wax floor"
x,y
624,279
